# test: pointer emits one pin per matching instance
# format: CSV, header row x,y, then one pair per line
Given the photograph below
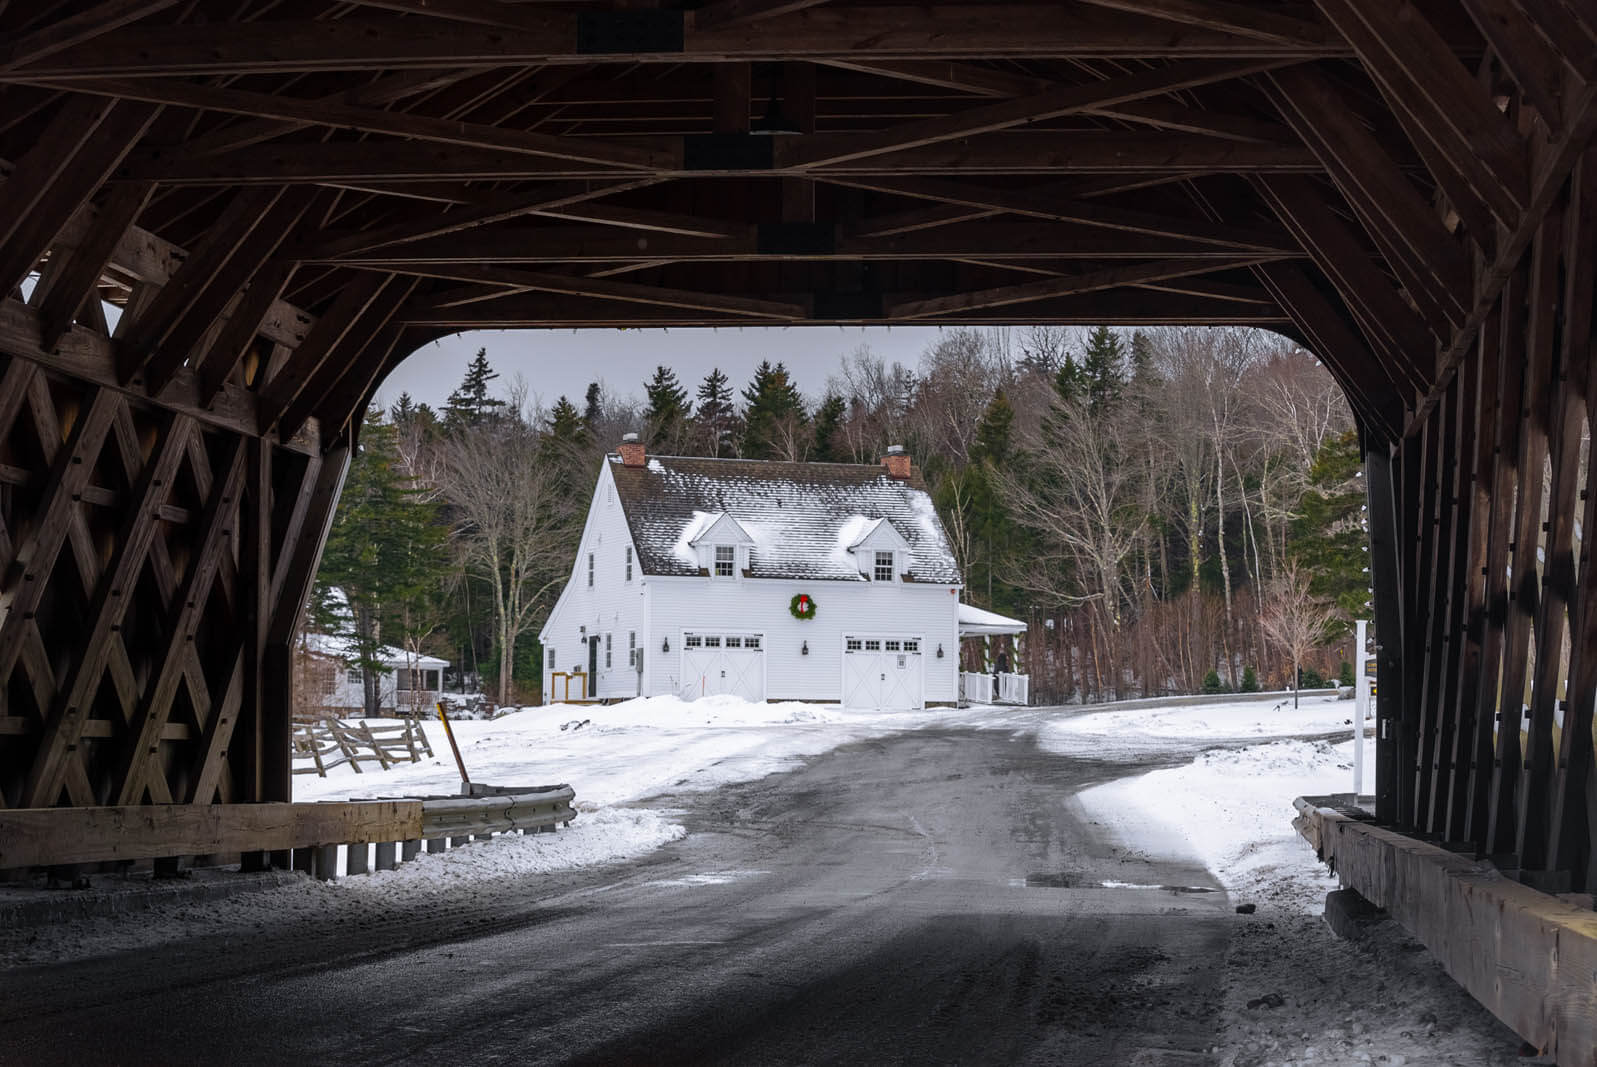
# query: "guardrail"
x,y
326,839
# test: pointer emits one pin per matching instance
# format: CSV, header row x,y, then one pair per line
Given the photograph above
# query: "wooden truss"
x,y
221,224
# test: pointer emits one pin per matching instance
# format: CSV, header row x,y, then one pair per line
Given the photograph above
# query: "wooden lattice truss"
x,y
280,199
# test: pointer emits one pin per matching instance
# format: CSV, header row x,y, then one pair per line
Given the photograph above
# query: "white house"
x,y
774,581
405,681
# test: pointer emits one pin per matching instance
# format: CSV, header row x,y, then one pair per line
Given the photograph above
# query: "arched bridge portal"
x,y
286,197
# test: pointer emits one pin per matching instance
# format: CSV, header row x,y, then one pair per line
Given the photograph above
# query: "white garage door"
x,y
723,663
883,673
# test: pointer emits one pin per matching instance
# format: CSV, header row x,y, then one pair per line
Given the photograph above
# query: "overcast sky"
x,y
563,362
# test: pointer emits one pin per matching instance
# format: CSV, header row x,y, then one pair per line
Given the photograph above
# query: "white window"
x,y
694,641
607,650
712,642
629,563
854,644
590,570
725,558
911,646
734,642
751,642
873,646
356,676
883,571
891,646
549,657
632,648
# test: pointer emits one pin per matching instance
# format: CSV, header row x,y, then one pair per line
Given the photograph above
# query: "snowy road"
x,y
932,896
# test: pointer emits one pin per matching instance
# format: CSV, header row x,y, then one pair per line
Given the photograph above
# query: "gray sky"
x,y
556,362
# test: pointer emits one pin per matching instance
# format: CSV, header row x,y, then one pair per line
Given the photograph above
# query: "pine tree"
x,y
668,408
1328,537
995,431
566,427
1070,381
773,412
593,406
1103,368
716,421
826,436
470,404
386,552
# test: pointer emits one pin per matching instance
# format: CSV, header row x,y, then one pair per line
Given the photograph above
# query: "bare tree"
x,y
512,521
1294,619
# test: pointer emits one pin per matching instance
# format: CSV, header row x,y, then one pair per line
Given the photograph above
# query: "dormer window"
x,y
883,570
725,560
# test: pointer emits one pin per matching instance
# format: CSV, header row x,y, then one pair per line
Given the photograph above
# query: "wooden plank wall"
x,y
1479,521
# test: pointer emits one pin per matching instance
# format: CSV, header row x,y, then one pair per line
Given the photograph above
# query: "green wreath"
x,y
801,607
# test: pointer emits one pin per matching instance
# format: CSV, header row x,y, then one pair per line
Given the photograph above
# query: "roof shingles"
x,y
795,512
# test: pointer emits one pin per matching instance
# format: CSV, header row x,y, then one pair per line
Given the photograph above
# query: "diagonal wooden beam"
x,y
1417,245
327,390
77,28
83,143
75,279
372,120
143,330
723,13
496,209
948,74
1090,282
215,365
138,765
112,598
320,345
1531,59
1052,104
1417,72
1045,206
1255,21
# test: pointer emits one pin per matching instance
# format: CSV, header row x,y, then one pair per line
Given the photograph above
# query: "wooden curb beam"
x,y
1528,957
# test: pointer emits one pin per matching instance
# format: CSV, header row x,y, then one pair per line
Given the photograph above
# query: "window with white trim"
x,y
725,560
356,676
854,644
883,570
734,642
549,657
694,641
751,642
712,642
629,563
590,570
891,646
632,648
911,646
873,646
607,638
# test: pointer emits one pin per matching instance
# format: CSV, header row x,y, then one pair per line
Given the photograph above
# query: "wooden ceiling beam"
x,y
1416,72
1256,21
328,391
75,278
325,338
884,31
1090,282
1055,209
496,209
724,13
1041,107
392,164
1529,58
625,292
948,74
374,120
75,29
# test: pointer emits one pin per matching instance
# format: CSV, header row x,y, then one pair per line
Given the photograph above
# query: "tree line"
x,y
1168,509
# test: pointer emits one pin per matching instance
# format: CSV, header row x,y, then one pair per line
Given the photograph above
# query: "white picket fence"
x,y
977,688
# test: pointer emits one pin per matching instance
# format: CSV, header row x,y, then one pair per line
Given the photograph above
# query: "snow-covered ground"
x,y
1381,1000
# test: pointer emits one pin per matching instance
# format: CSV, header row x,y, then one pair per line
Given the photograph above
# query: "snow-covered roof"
x,y
974,622
802,518
344,648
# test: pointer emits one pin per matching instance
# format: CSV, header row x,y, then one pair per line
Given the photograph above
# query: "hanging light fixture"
x,y
665,645
804,649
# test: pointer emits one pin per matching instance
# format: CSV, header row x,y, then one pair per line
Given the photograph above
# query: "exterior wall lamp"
x,y
939,651
804,649
665,645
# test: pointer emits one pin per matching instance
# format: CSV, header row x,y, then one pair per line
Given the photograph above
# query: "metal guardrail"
x,y
535,810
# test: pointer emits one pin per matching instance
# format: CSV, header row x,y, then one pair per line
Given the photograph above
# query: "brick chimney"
x,y
897,463
632,451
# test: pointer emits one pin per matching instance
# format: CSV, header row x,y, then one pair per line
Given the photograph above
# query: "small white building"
x,y
827,582
406,681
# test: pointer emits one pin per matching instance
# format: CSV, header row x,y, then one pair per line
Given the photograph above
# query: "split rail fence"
x,y
333,743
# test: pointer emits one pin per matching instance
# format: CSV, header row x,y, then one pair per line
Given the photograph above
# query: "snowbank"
x,y
1209,722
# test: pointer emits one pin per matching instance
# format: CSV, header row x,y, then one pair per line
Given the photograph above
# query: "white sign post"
x,y
1361,706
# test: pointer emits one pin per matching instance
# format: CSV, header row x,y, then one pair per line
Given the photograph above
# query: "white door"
x,y
883,673
714,663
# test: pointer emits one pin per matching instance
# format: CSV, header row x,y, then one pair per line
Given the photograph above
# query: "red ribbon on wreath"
x,y
801,606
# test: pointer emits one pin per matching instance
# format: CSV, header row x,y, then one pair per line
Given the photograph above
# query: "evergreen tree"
x,y
826,433
1328,537
566,429
470,404
668,408
593,407
1070,380
716,421
385,551
1103,368
994,432
773,408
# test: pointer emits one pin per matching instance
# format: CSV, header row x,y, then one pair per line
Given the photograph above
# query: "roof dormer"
x,y
722,547
880,552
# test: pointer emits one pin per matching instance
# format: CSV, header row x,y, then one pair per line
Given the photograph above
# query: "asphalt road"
x,y
933,897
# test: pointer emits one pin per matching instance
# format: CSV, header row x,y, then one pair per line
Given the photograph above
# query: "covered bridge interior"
x,y
222,222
